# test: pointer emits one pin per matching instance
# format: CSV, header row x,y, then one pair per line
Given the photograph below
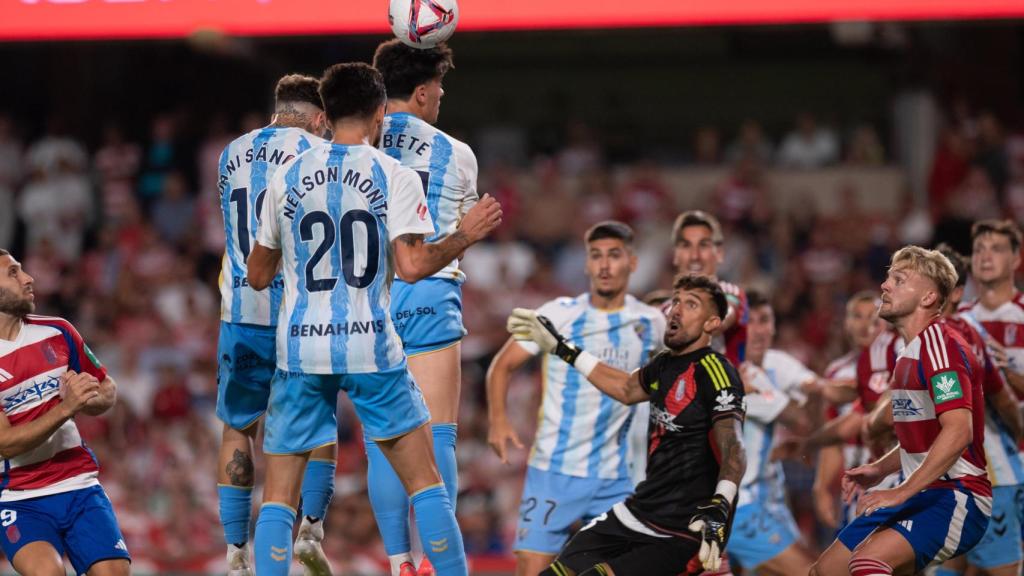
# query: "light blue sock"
x,y
317,488
389,501
273,547
444,453
943,571
235,512
439,532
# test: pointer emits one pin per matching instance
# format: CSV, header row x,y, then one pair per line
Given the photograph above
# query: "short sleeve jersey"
x,y
447,169
333,212
688,394
936,373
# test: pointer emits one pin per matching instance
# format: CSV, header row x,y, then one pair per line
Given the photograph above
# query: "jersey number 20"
x,y
346,227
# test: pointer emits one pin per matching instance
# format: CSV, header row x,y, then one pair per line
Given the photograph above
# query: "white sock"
x,y
397,560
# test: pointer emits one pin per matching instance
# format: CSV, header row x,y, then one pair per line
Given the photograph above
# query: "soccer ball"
x,y
423,23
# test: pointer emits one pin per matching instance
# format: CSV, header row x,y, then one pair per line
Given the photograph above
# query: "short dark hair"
x,y
298,88
697,218
1007,228
404,67
352,89
961,263
756,299
610,229
709,286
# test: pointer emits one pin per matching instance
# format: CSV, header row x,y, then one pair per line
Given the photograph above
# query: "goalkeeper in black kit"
x,y
695,444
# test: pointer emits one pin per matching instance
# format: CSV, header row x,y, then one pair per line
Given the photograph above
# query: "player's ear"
x,y
712,324
420,94
632,260
930,298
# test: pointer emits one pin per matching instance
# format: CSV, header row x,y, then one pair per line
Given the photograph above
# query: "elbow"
x,y
256,280
408,273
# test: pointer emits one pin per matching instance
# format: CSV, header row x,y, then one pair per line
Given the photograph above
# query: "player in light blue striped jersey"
x,y
341,220
246,349
581,463
427,314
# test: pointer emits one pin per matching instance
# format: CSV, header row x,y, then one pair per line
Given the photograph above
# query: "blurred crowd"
x,y
123,236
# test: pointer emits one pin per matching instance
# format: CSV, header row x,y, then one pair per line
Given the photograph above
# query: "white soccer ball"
x,y
423,23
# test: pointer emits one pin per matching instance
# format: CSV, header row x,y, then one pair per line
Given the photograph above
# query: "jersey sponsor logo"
x,y
335,329
725,401
34,392
946,387
904,407
715,369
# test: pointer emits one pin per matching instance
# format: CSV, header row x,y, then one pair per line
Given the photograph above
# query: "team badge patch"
x,y
13,534
946,387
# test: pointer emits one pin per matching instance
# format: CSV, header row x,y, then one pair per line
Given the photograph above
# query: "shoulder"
x,y
1018,300
643,311
54,322
563,309
716,368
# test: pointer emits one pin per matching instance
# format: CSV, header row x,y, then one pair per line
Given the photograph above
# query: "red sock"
x,y
869,567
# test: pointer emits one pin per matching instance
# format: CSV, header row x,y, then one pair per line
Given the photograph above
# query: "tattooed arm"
x,y
728,433
416,259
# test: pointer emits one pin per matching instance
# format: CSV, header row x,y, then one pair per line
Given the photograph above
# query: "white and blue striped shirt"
x,y
447,169
333,212
581,431
778,384
246,166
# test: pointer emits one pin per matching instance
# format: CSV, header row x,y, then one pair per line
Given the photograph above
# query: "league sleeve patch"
x,y
726,401
946,387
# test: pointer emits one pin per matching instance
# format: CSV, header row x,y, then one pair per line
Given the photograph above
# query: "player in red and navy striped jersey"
x,y
941,508
51,502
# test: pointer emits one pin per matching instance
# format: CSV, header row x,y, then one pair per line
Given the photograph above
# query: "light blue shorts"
x,y
553,502
303,407
938,523
247,355
1001,543
760,532
428,314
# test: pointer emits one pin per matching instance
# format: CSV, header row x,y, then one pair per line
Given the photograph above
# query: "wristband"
x,y
726,488
585,363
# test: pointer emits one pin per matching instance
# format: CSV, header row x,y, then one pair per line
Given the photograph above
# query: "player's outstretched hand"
x,y
856,480
77,389
481,219
711,522
500,434
525,325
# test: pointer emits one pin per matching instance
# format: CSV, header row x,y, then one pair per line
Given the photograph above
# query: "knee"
x,y
118,567
42,568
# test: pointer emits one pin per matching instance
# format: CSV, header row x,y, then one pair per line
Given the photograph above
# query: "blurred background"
x,y
821,141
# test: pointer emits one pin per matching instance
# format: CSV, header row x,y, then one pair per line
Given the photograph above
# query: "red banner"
x,y
67,19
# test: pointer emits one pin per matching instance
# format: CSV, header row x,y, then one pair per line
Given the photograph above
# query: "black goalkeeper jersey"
x,y
688,394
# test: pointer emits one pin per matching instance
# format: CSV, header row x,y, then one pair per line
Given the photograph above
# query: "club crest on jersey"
x,y
725,401
49,354
946,387
421,211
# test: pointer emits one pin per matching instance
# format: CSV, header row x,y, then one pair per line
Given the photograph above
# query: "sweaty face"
x,y
16,297
862,323
696,252
902,292
760,331
993,258
691,315
609,264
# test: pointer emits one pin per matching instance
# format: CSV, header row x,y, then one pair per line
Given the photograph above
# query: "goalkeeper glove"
x,y
525,324
712,523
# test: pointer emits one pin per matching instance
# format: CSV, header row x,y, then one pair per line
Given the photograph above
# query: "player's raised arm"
x,y
508,360
526,324
416,259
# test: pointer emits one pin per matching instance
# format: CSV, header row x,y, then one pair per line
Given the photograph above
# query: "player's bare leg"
x,y
236,474
834,561
439,376
1004,570
532,563
308,549
887,546
114,567
792,560
38,559
412,458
